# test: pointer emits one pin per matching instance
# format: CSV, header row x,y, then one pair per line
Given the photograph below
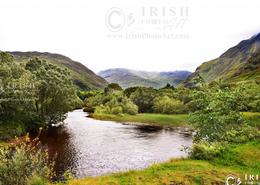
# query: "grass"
x,y
237,160
148,118
166,119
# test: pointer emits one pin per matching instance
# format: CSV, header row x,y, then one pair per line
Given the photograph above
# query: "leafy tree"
x,y
143,98
55,93
128,91
217,115
113,87
33,95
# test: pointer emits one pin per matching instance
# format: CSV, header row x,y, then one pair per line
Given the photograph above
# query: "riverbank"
x,y
168,120
237,160
175,120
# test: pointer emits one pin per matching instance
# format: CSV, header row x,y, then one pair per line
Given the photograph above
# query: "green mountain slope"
x,y
82,77
231,65
129,78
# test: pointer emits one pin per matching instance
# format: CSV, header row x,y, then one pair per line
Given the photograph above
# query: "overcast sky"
x,y
153,35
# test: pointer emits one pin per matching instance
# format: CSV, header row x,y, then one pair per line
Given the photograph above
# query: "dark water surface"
x,y
89,147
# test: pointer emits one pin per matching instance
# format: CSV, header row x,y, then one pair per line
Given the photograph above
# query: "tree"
x,y
55,93
113,87
218,115
143,98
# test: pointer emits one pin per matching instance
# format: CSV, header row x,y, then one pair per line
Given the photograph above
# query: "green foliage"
x,y
86,94
217,116
24,163
143,98
112,87
10,129
168,105
55,94
206,151
116,103
33,95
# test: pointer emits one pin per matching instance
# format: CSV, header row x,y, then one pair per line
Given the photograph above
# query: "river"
x,y
89,147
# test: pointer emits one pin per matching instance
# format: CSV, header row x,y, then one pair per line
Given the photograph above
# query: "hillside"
x,y
129,78
232,66
82,77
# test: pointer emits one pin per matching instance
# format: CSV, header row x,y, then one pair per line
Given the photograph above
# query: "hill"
x,y
233,65
129,78
82,77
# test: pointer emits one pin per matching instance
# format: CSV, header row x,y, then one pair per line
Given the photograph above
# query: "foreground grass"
x,y
151,119
237,160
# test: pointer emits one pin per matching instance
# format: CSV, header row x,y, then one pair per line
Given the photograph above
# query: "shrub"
x,y
24,163
243,134
10,129
168,105
206,151
130,108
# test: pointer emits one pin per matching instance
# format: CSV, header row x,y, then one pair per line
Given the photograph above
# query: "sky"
x,y
151,35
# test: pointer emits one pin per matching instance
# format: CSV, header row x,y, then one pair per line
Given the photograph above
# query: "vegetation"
x,y
218,117
33,95
148,118
24,163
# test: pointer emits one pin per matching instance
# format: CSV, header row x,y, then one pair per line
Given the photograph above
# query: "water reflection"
x,y
90,147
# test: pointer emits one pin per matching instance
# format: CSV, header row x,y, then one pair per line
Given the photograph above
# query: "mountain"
x,y
233,65
129,78
82,77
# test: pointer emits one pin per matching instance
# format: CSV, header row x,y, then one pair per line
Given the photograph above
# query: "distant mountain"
x,y
129,78
233,65
82,77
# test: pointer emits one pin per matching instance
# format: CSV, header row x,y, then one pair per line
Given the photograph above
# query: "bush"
x,y
206,151
243,134
130,108
116,110
10,129
166,105
24,163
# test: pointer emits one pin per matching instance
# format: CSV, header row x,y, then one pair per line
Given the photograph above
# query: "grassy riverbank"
x,y
237,160
165,119
151,119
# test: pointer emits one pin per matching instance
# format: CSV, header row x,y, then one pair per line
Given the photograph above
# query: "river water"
x,y
89,147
